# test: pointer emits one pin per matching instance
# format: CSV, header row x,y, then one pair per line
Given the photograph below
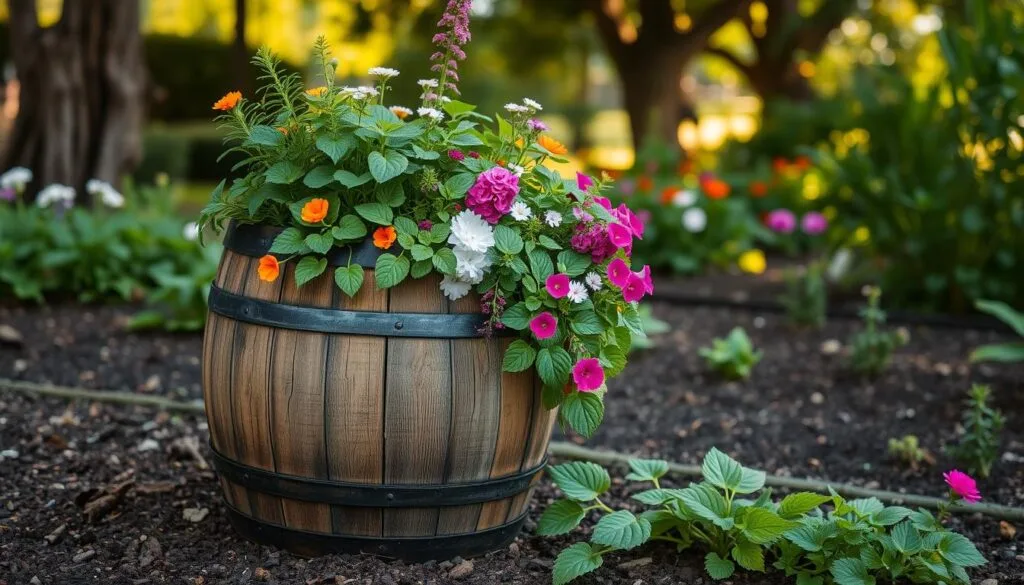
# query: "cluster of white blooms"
x,y
384,72
516,108
684,198
553,218
108,194
16,178
425,83
594,281
191,231
435,115
520,210
577,292
56,193
532,104
359,93
471,238
694,218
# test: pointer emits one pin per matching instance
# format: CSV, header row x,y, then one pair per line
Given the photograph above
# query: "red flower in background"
x,y
644,183
715,188
802,163
667,194
758,189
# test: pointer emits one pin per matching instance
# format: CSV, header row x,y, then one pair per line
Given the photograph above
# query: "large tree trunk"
x,y
82,83
653,99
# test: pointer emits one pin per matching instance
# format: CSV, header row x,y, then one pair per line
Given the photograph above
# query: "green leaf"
x,y
375,212
444,261
350,179
348,229
283,173
717,567
749,555
575,264
906,538
553,365
390,270
336,147
586,323
656,497
517,317
548,243
541,265
421,252
763,526
800,503
387,166
808,579
320,243
309,268
891,515
319,177
706,502
956,549
459,184
1004,313
404,225
349,279
506,240
584,412
851,572
439,232
264,135
560,518
647,469
579,559
621,529
812,535
721,471
581,481
518,357
391,194
1007,353
421,268
751,481
289,241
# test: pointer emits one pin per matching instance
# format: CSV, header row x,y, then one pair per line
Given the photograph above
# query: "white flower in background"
x,y
472,232
56,193
16,178
577,292
384,72
532,104
839,265
684,198
695,220
593,280
553,218
470,266
516,108
191,231
425,83
516,169
454,288
436,115
520,211
445,99
108,194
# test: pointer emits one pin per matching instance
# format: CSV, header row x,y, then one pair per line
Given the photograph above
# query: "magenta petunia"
x,y
455,154
583,182
813,223
618,272
635,288
493,193
425,224
544,326
621,236
629,219
603,202
588,374
782,221
557,285
645,274
963,485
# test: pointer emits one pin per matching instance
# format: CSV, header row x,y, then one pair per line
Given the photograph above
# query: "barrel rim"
x,y
255,240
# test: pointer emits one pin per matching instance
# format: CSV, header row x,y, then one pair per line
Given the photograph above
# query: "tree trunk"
x,y
653,99
82,83
240,50
779,79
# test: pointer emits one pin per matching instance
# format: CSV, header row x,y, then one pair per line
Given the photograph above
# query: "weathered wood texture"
x,y
367,410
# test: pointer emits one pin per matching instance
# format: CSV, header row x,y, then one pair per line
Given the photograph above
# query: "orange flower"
x,y
316,91
519,142
716,188
758,189
401,112
315,211
383,237
667,194
269,268
282,130
644,183
779,164
229,101
802,163
551,145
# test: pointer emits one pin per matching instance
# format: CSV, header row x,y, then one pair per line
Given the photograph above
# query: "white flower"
x,y
516,108
108,194
425,83
470,266
695,220
55,193
520,211
453,288
472,232
684,198
577,292
191,231
594,281
445,99
384,72
516,169
15,178
532,104
553,218
436,115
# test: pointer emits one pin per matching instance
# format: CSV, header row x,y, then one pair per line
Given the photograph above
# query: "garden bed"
x,y
801,414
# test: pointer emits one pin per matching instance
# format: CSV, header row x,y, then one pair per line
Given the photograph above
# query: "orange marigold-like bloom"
x,y
779,164
716,188
315,211
644,183
401,112
802,163
758,189
551,145
317,91
269,268
667,194
228,102
383,237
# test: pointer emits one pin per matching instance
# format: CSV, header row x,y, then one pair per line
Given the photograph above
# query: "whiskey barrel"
x,y
380,424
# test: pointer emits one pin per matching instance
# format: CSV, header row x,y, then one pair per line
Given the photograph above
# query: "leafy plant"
x,y
871,348
1009,352
178,301
806,296
978,448
734,357
650,325
734,518
909,451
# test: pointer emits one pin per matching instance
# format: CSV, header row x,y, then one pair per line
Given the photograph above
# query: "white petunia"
x,y
472,232
384,72
425,83
553,218
695,220
577,292
516,108
594,281
15,178
108,194
191,231
532,104
684,198
470,266
516,169
453,288
436,115
56,193
520,211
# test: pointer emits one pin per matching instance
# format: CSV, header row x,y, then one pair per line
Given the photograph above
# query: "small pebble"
x,y
195,514
8,454
461,570
148,445
759,322
817,398
990,582
84,556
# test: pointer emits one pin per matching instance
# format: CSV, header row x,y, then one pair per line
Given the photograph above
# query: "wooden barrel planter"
x,y
380,424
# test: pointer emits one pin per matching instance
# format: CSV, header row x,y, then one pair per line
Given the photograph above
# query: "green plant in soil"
x,y
732,517
650,325
978,448
734,357
806,296
909,451
1009,352
871,348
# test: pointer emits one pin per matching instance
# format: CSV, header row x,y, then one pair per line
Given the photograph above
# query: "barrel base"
x,y
409,549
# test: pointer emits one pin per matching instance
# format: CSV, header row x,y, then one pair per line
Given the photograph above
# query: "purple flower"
x,y
813,223
782,221
557,285
588,375
618,272
454,32
581,215
544,326
583,182
492,195
455,154
536,125
8,194
426,224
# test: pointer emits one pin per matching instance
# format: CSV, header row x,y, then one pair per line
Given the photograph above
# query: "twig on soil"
x,y
101,396
611,458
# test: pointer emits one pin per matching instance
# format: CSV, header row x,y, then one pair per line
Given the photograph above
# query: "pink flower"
x,y
627,187
635,288
621,236
618,272
581,215
557,285
627,218
963,485
536,125
782,221
474,154
584,182
426,224
588,375
645,274
644,216
455,154
603,202
492,195
813,223
544,325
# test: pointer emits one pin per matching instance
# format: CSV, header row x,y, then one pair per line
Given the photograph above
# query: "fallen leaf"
x,y
1007,530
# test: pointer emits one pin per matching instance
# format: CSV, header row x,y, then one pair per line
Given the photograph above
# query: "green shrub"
x,y
871,348
734,357
806,296
978,449
1009,352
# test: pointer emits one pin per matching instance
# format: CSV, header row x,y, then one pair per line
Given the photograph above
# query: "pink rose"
x,y
492,195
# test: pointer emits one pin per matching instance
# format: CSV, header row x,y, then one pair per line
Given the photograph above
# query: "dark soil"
x,y
801,414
